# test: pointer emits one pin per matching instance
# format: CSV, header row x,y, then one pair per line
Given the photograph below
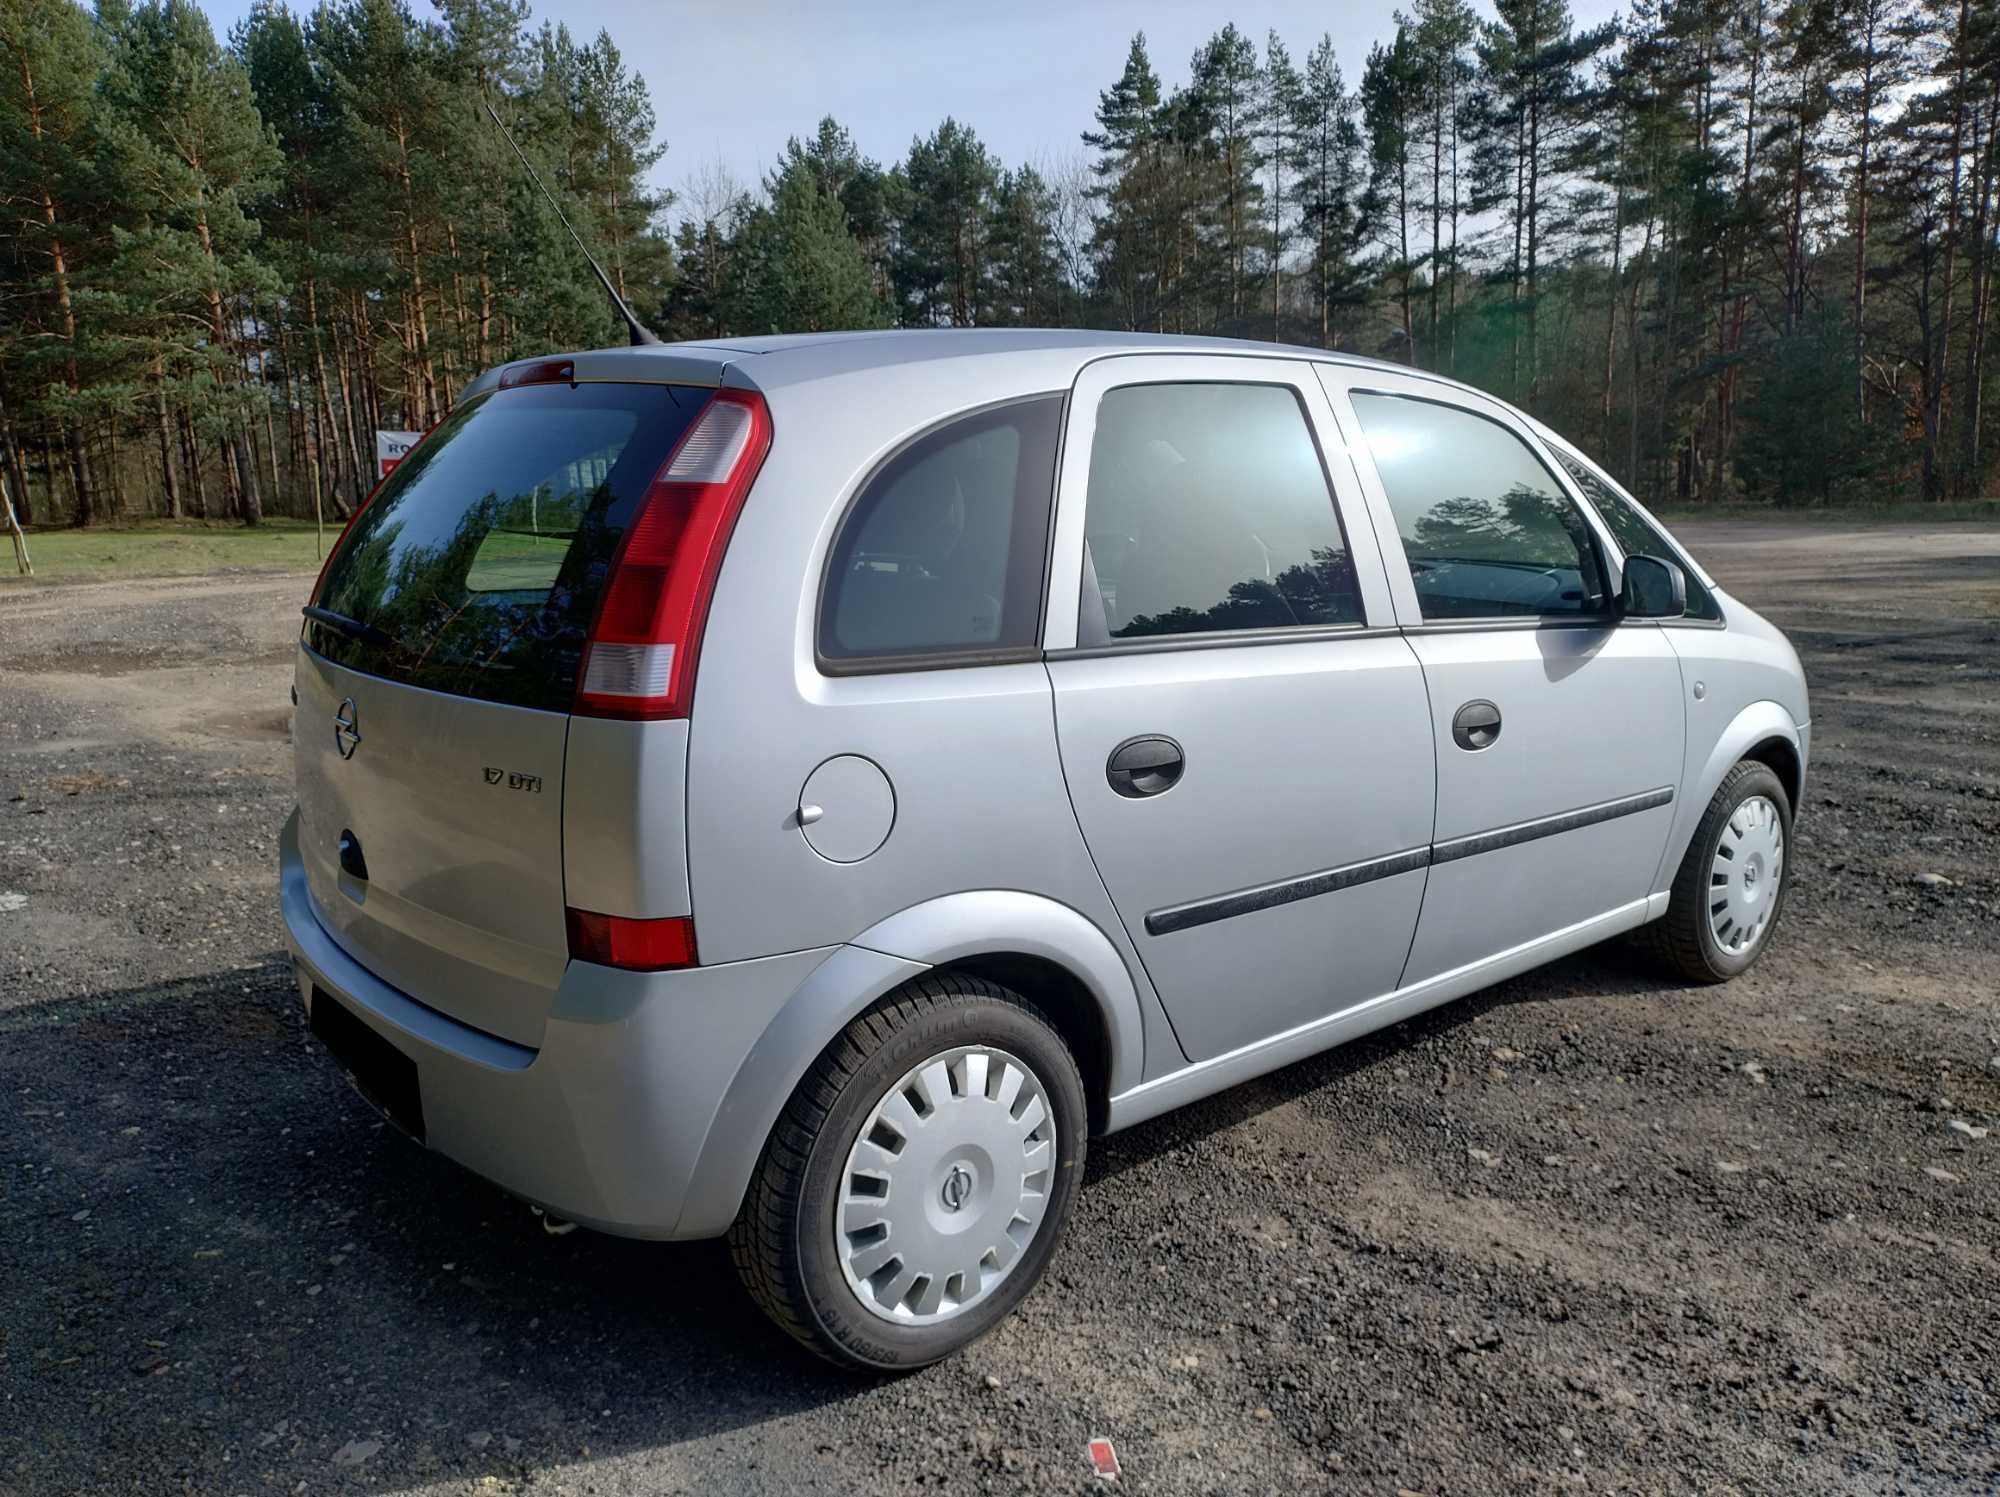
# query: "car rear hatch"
x,y
438,667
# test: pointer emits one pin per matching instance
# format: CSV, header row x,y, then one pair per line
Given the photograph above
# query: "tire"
x,y
947,1187
1686,939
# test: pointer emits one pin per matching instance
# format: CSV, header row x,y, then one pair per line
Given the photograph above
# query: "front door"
x,y
1558,728
1245,736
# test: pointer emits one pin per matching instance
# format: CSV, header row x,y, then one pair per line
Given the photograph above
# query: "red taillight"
x,y
637,945
643,648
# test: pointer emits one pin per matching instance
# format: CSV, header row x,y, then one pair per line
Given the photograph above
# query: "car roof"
x,y
795,358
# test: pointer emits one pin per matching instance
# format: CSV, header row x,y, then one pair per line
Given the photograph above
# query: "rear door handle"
x,y
1145,766
1476,726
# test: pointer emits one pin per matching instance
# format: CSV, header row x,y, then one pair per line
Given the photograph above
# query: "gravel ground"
x,y
1582,1232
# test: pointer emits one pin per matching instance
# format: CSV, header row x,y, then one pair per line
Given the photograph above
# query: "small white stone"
x,y
354,1452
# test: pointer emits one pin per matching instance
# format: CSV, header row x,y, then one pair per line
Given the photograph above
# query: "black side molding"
x,y
1308,886
1248,901
1549,826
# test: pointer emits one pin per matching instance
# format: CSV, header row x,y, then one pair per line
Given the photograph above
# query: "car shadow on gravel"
x,y
217,1254
1606,971
217,1246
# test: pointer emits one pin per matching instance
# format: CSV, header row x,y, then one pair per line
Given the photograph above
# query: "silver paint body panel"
x,y
1321,805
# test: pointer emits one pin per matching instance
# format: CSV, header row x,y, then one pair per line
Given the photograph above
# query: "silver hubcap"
x,y
946,1185
1744,878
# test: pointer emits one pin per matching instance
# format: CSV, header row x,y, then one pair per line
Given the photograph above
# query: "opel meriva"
x,y
802,788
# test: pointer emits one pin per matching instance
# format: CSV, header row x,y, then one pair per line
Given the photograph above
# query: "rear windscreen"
x,y
477,568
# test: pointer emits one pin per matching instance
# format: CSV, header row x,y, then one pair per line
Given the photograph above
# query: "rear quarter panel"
x,y
980,799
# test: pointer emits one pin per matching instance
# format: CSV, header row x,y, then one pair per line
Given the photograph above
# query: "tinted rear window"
x,y
482,559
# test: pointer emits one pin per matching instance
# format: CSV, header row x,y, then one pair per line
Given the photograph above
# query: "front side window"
x,y
940,559
1208,511
1486,529
1635,533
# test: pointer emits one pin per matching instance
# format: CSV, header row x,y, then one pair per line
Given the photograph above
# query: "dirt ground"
x,y
1584,1232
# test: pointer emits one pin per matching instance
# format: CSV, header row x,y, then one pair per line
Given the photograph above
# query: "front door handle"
x,y
1476,726
1145,766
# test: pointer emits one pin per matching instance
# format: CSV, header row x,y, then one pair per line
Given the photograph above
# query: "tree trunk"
x,y
1611,301
1866,134
10,462
191,457
168,478
1451,361
1934,478
65,308
424,397
1970,476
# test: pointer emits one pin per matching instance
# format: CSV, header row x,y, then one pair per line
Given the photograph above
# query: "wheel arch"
x,y
1781,755
1051,954
1047,952
1764,731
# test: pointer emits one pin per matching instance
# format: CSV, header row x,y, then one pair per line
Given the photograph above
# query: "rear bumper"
x,y
608,1122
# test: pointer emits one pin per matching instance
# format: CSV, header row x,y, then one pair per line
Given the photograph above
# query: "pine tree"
x,y
1026,287
941,202
60,203
797,269
1441,34
1221,113
198,153
1278,112
1536,112
1326,185
1132,243
1390,109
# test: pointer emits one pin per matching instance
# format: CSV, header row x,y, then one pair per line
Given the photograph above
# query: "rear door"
x,y
435,675
1558,728
1245,737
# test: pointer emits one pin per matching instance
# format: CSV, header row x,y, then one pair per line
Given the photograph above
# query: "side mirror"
x,y
1654,588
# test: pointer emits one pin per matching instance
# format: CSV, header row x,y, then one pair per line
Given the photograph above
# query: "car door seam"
x,y
1090,853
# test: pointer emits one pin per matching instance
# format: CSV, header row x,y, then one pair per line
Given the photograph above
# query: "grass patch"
x,y
1968,511
165,548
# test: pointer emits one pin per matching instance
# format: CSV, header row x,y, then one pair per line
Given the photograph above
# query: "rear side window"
x,y
1486,529
1209,512
478,568
1636,534
940,560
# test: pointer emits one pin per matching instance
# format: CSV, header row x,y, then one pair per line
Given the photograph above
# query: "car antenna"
x,y
640,334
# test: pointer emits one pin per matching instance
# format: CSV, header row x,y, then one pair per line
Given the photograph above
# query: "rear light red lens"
x,y
647,638
636,945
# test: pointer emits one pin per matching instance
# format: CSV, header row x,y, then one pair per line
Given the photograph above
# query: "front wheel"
x,y
1730,890
918,1181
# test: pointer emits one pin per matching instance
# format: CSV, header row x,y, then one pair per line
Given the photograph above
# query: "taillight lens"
x,y
636,945
643,648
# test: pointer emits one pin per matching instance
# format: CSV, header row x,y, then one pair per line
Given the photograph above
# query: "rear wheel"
x,y
918,1180
1730,890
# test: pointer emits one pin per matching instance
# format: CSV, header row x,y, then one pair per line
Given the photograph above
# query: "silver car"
x,y
800,789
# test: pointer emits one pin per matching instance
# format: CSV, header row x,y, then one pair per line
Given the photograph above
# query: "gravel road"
x,y
1584,1232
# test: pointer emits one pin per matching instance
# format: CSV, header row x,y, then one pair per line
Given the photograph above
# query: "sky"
x,y
731,81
